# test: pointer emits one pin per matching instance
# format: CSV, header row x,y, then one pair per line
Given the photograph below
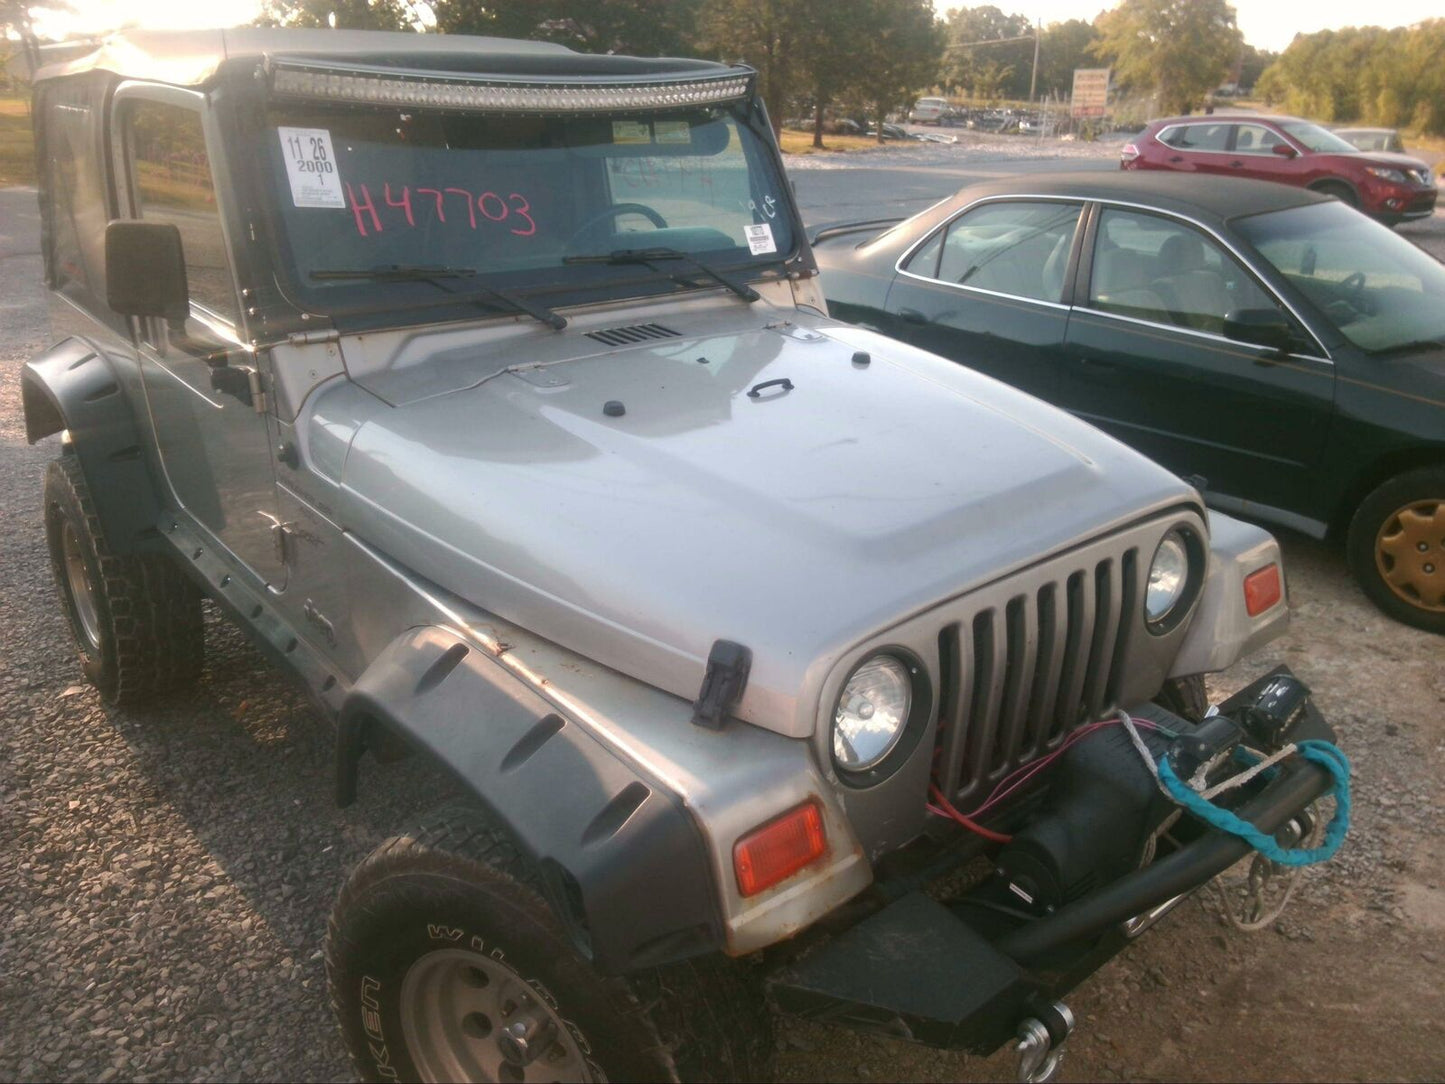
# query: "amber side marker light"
x,y
780,848
1262,590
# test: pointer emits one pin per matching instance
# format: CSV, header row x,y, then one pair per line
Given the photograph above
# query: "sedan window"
x,y
1019,248
1154,268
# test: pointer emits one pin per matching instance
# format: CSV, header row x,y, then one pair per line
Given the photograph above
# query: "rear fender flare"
x,y
626,866
73,387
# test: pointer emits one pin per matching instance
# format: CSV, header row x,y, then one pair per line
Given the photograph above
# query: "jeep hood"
x,y
796,519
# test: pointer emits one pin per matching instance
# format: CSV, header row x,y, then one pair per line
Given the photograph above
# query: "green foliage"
x,y
638,27
340,14
1178,49
983,70
905,44
1064,47
1393,78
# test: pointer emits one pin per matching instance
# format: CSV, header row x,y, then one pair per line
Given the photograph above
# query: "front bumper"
x,y
939,974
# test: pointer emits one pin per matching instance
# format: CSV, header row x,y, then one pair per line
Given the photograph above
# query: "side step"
x,y
914,971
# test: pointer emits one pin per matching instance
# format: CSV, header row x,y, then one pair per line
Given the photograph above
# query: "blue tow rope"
x,y
1324,754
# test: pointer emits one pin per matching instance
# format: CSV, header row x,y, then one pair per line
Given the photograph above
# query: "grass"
x,y
17,149
798,142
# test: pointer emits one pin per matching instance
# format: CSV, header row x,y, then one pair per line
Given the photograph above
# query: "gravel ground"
x,y
165,875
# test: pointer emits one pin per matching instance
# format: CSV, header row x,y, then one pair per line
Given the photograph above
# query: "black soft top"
x,y
1194,195
192,58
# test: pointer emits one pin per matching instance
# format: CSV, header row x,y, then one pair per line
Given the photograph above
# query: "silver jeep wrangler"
x,y
490,387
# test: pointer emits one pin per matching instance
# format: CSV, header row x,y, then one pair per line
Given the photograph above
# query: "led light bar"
x,y
511,97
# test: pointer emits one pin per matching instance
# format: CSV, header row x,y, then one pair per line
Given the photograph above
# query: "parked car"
x,y
929,110
1390,187
1284,349
1372,139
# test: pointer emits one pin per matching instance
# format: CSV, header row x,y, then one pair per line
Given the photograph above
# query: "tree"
x,y
340,14
1179,49
831,54
905,45
1062,48
639,27
771,35
972,63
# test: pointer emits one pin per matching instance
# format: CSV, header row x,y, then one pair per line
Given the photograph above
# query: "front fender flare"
x,y
626,866
73,387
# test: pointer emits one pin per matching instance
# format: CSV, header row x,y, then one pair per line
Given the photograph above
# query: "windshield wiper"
x,y
434,275
648,257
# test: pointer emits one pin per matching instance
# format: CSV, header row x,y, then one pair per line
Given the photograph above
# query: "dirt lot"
x,y
165,876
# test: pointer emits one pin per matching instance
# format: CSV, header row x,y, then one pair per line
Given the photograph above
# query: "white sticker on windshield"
x,y
760,239
311,167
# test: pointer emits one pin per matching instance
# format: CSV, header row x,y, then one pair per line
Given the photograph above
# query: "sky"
x,y
1267,24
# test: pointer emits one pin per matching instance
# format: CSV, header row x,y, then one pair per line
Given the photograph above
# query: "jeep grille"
x,y
623,336
1026,663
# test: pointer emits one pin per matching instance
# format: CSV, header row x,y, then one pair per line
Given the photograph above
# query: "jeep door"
x,y
987,289
1147,361
201,382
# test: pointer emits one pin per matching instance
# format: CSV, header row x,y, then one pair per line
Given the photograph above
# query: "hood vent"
x,y
625,336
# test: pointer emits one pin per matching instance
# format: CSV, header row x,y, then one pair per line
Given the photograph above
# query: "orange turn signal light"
x,y
778,849
1262,590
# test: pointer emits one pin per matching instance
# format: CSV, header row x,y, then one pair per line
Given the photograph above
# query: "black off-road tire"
x,y
146,635
460,881
1408,508
1185,696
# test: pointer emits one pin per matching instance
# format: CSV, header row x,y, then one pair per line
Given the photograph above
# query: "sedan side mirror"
x,y
1284,150
145,271
1259,327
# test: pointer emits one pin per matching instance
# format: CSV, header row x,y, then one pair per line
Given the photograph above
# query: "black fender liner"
x,y
626,866
72,386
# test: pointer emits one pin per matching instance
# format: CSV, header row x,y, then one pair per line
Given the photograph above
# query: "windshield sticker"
x,y
631,131
760,238
673,131
311,167
460,204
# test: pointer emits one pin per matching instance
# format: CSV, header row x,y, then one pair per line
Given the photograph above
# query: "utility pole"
x,y
1034,71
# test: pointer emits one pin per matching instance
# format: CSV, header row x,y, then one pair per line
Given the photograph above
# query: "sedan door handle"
x,y
912,316
1237,164
1176,158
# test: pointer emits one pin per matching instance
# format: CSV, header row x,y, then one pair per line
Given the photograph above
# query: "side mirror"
x,y
145,270
1284,150
1259,327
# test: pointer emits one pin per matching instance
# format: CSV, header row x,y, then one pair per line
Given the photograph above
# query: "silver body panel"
x,y
797,523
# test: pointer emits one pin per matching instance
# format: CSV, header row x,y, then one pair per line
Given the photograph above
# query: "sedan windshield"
x,y
1381,291
364,192
1316,138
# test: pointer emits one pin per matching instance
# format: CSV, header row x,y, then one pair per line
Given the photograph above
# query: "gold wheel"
x,y
1410,554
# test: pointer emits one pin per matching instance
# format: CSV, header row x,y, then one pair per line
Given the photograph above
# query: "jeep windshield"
x,y
516,199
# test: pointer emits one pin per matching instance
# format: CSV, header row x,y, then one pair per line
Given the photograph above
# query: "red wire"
x,y
972,826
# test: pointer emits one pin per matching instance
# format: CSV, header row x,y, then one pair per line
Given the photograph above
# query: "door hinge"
x,y
259,401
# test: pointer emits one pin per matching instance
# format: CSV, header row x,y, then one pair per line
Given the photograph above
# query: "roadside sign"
x,y
1091,92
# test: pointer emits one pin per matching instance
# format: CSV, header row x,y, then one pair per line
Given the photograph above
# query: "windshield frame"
x,y
370,306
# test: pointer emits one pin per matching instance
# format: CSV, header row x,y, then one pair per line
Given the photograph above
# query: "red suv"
x,y
1389,187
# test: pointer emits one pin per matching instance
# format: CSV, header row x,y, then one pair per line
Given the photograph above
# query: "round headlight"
x,y
871,712
1168,577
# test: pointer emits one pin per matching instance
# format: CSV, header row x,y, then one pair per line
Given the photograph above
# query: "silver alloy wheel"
x,y
82,593
467,1017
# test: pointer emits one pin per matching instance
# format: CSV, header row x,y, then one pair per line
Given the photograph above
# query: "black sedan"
x,y
1280,346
